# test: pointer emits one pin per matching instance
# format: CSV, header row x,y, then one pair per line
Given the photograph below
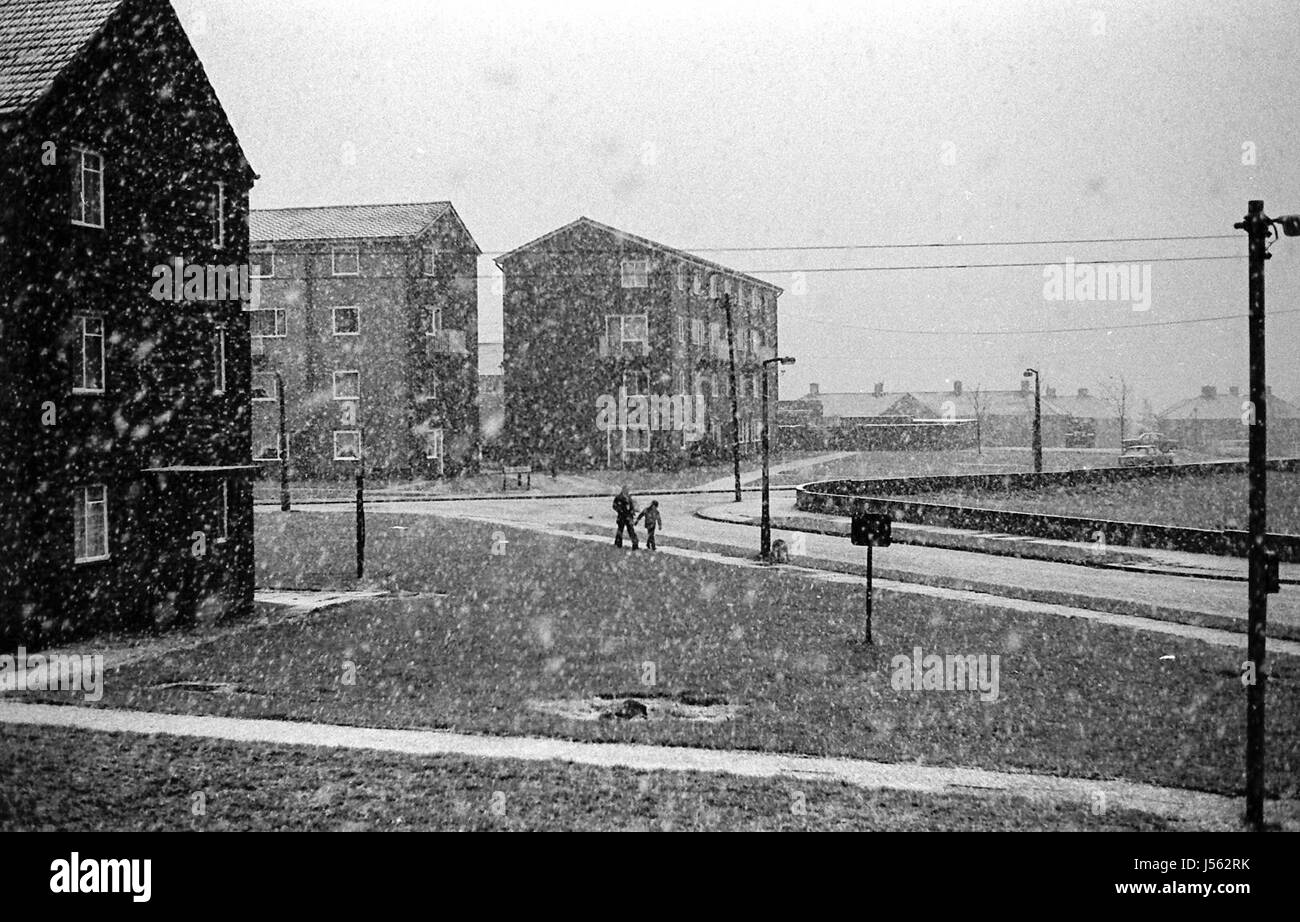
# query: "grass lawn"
x,y
555,618
1217,501
69,779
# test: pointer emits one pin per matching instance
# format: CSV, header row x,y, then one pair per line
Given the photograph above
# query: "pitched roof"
x,y
865,405
345,222
38,39
1226,406
639,241
1088,407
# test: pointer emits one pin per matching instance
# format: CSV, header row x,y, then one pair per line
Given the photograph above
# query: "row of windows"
x,y
88,196
347,446
273,322
89,364
635,273
345,261
636,440
637,384
635,328
90,521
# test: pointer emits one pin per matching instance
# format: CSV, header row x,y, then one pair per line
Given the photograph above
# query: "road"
x,y
1105,590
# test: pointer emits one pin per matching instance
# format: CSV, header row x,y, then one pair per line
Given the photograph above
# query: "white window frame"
x,y
681,276
336,252
82,153
223,518
698,335
345,373
273,391
681,331
623,338
713,287
755,299
435,444
630,277
219,217
643,440
334,315
258,275
435,319
347,432
83,512
274,457
697,282
219,362
281,324
728,285
429,261
82,336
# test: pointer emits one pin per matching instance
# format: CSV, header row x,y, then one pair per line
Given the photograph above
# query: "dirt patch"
x,y
640,707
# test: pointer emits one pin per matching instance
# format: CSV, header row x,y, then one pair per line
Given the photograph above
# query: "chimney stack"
x,y
1234,391
1024,385
814,390
1051,392
1083,392
880,389
956,388
1210,392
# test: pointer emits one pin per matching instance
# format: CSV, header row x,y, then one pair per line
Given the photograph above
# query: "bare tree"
x,y
1118,393
980,402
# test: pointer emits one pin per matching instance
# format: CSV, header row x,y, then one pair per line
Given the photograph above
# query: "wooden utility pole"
x,y
735,397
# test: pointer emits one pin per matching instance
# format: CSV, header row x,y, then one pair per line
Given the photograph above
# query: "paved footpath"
x,y
1188,809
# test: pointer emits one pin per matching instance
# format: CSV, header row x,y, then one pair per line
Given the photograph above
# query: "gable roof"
x,y
639,241
348,222
868,405
1225,406
39,39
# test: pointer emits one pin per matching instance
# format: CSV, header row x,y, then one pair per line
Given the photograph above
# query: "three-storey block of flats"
x,y
595,317
367,317
125,485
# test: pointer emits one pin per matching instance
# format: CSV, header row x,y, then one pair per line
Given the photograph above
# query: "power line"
x,y
1028,332
934,245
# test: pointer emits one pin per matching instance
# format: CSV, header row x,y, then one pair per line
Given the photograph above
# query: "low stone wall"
x,y
842,497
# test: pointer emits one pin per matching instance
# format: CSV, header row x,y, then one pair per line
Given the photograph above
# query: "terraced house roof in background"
x,y
38,39
345,222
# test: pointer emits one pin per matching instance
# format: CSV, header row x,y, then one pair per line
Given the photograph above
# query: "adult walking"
x,y
625,510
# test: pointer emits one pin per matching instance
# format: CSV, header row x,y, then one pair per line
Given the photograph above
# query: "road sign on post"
x,y
871,529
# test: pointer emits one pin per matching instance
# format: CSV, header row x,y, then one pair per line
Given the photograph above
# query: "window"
x,y
88,356
636,383
223,512
697,282
681,276
433,445
755,341
268,449
636,440
627,328
347,445
697,332
756,386
435,319
636,273
728,286
347,321
219,362
87,188
268,322
428,391
713,286
755,300
261,264
218,216
265,386
681,330
429,260
347,385
715,333
345,260
740,294
91,525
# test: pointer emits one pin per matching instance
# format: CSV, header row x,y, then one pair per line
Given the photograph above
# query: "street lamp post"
x,y
765,542
735,398
1038,420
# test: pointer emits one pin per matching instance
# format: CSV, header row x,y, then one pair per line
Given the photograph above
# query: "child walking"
x,y
652,522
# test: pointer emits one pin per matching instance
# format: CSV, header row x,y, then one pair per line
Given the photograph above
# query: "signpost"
x,y
871,529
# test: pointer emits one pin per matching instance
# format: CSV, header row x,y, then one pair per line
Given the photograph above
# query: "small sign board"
x,y
871,529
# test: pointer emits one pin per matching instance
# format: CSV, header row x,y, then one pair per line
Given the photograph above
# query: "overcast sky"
x,y
756,125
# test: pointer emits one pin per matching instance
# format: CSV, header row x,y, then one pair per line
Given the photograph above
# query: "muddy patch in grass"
x,y
640,707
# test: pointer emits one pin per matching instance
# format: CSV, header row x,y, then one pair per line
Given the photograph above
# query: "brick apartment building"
x,y
594,316
369,315
125,493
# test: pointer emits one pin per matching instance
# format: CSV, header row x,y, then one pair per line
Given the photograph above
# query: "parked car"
x,y
1144,456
